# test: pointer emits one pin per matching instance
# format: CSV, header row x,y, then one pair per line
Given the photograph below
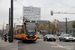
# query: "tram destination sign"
x,y
30,23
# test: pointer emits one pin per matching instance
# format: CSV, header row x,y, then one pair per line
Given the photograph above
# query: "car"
x,y
66,37
49,37
58,34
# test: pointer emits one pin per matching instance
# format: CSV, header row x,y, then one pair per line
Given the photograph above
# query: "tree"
x,y
48,23
73,24
41,27
47,26
59,26
54,26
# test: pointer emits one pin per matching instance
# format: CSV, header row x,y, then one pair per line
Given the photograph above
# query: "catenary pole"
x,y
11,34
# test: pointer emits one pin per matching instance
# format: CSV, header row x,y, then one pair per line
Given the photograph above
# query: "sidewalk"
x,y
8,46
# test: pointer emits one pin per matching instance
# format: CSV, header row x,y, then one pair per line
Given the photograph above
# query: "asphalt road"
x,y
46,45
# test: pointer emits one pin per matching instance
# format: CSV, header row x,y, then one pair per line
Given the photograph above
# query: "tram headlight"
x,y
26,35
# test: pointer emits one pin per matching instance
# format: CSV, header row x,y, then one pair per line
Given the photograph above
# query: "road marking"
x,y
57,45
66,47
60,46
53,43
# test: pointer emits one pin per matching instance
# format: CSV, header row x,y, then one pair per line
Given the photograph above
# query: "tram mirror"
x,y
22,25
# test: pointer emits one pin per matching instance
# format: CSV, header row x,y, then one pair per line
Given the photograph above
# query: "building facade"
x,y
32,13
7,28
70,29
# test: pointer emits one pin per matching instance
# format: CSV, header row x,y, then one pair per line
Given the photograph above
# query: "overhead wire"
x,y
64,4
19,3
18,20
48,7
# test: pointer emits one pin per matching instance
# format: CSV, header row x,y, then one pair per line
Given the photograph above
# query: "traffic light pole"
x,y
62,13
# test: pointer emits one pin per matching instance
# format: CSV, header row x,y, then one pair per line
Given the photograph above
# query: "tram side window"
x,y
19,31
15,32
22,30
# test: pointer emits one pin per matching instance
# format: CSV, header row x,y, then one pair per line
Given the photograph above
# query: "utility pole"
x,y
11,23
66,25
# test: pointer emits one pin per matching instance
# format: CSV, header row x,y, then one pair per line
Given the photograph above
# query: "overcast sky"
x,y
45,5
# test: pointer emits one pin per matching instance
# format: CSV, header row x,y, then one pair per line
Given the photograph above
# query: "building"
x,y
32,13
42,22
70,29
7,27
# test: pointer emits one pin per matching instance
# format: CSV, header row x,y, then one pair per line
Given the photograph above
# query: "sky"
x,y
45,5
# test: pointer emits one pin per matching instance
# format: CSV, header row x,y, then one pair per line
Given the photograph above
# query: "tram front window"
x,y
30,28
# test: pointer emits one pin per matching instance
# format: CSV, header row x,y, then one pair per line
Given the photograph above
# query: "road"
x,y
46,45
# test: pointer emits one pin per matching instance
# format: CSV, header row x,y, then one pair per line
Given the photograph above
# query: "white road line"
x,y
60,46
65,47
57,45
53,43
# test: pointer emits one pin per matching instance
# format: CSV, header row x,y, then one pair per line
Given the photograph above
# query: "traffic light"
x,y
51,12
